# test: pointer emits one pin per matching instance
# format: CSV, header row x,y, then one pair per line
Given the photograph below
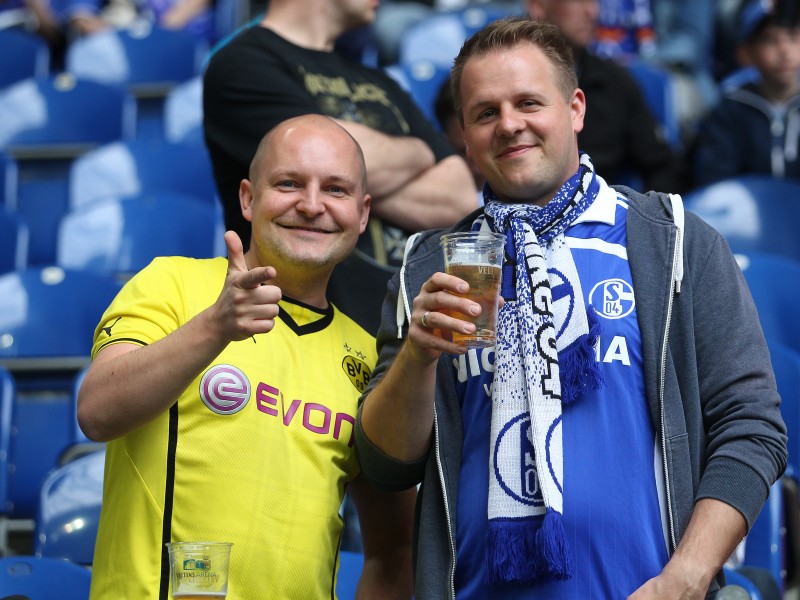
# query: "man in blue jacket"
x,y
621,437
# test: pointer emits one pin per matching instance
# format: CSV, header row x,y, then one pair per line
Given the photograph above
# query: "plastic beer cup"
x,y
199,570
477,258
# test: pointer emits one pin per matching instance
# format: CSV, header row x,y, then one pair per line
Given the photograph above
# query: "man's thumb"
x,y
236,260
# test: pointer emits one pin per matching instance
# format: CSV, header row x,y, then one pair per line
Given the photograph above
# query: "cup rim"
x,y
458,235
171,545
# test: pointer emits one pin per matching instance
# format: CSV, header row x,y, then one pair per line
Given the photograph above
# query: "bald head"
x,y
304,126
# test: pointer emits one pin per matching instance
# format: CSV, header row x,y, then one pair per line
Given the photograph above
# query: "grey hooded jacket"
x,y
710,388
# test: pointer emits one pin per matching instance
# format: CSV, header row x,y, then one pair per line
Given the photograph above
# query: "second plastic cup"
x,y
199,570
477,258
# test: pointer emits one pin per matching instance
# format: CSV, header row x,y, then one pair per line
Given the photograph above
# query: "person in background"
x,y
620,132
226,391
286,66
623,434
756,127
39,17
85,17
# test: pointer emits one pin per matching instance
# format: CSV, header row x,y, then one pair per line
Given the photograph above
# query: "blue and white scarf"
x,y
544,357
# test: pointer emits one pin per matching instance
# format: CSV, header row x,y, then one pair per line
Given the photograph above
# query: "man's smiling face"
x,y
307,202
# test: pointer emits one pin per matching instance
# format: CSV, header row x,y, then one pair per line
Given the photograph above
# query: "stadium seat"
x,y
8,391
69,510
14,238
439,37
9,175
765,545
120,236
22,55
62,117
135,167
422,80
47,322
44,125
774,282
350,566
147,60
754,213
183,113
786,365
50,313
32,578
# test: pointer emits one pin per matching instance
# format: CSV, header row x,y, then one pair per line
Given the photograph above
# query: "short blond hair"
x,y
509,33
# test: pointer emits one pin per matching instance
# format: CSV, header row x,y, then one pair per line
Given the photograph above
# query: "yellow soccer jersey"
x,y
257,451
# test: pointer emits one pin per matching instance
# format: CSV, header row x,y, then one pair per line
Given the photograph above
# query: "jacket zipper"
x,y
446,506
672,291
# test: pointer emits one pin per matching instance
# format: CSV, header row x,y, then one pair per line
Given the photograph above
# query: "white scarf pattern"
x,y
544,357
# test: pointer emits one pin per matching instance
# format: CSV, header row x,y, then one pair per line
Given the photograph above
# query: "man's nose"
x,y
311,202
509,122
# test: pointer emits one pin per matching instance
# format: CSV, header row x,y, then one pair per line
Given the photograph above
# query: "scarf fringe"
x,y
578,365
521,551
552,542
511,551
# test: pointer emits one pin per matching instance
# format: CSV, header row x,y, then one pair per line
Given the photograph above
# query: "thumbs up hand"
x,y
248,304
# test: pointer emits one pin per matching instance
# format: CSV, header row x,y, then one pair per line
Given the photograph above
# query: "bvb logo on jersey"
x,y
357,370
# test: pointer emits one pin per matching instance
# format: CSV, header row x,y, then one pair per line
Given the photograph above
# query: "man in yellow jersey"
x,y
227,389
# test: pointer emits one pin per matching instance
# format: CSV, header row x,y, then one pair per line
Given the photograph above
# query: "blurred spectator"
x,y
756,127
36,16
624,29
620,133
286,66
676,35
684,46
84,17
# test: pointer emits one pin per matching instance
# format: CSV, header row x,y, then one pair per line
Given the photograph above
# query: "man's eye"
x,y
289,184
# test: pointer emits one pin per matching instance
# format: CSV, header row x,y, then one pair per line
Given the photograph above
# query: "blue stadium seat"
x,y
183,113
754,213
50,313
8,392
62,117
786,364
765,545
439,37
774,282
9,176
350,566
47,322
14,239
147,60
69,510
44,125
135,167
120,236
22,55
422,79
31,578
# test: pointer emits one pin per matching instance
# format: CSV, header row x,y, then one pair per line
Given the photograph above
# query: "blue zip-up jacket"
x,y
747,134
709,383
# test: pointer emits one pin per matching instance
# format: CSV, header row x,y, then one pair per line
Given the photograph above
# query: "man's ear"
x,y
246,198
365,213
